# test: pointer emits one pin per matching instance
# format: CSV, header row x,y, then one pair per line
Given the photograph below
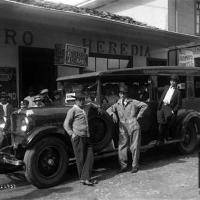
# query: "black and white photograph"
x,y
99,99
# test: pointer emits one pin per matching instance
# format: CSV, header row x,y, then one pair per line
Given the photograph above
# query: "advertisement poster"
x,y
8,83
186,58
71,55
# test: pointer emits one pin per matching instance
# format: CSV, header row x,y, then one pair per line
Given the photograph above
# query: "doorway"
x,y
36,70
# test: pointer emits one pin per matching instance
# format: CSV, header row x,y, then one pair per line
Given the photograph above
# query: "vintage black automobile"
x,y
40,144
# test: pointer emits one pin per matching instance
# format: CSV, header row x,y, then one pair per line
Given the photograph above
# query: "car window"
x,y
197,86
138,88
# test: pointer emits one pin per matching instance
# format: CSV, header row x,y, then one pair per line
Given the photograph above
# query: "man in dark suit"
x,y
5,107
5,111
168,106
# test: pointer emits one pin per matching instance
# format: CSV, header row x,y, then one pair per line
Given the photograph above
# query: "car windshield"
x,y
88,88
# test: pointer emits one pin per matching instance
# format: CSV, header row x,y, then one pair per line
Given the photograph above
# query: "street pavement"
x,y
164,174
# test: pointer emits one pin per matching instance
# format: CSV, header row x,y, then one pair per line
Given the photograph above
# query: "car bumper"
x,y
6,157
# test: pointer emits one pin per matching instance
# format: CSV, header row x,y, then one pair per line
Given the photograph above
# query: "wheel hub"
x,y
50,162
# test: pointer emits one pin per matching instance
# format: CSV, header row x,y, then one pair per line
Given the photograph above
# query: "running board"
x,y
143,148
154,144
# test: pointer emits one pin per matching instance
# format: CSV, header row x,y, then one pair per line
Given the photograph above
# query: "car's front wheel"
x,y
46,162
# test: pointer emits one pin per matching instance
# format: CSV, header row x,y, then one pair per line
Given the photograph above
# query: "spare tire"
x,y
101,129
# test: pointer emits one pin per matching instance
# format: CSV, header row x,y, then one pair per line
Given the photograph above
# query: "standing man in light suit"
x,y
128,112
168,106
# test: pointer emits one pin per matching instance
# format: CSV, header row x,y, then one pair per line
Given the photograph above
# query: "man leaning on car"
x,y
128,111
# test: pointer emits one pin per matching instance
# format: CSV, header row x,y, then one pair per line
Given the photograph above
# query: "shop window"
x,y
113,64
91,64
197,86
197,62
124,64
198,17
172,57
103,62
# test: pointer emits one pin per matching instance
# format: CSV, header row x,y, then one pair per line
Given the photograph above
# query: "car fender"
x,y
45,131
182,118
194,115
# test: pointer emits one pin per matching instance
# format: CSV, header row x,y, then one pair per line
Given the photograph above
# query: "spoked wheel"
x,y
46,163
189,143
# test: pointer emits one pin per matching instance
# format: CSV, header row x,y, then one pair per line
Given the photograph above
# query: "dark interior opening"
x,y
36,70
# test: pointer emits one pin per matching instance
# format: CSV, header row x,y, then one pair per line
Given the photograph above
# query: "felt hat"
x,y
123,88
174,77
79,95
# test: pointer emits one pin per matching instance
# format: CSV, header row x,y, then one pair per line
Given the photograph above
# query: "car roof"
x,y
153,70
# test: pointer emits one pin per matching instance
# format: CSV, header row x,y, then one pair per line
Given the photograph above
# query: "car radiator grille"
x,y
16,121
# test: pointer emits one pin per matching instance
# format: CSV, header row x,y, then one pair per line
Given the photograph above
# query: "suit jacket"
x,y
176,100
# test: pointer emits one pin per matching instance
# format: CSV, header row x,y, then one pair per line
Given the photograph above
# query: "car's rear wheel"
x,y
189,143
46,163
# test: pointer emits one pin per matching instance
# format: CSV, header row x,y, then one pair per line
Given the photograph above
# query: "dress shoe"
x,y
134,170
169,138
94,181
82,181
88,183
122,169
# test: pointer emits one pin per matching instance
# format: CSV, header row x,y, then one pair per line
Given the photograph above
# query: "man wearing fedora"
x,y
169,103
128,111
76,125
6,108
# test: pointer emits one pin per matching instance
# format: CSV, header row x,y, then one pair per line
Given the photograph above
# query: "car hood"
x,y
44,115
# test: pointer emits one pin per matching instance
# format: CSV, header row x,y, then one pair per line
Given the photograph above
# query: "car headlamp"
x,y
24,124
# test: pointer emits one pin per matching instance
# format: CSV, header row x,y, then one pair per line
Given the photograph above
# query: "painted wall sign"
x,y
110,47
12,37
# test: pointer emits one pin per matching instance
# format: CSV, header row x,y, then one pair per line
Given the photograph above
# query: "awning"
x,y
78,22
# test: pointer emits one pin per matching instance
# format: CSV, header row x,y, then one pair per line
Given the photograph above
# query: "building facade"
x,y
173,15
29,31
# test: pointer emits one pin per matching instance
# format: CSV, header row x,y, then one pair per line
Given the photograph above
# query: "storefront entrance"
x,y
36,70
